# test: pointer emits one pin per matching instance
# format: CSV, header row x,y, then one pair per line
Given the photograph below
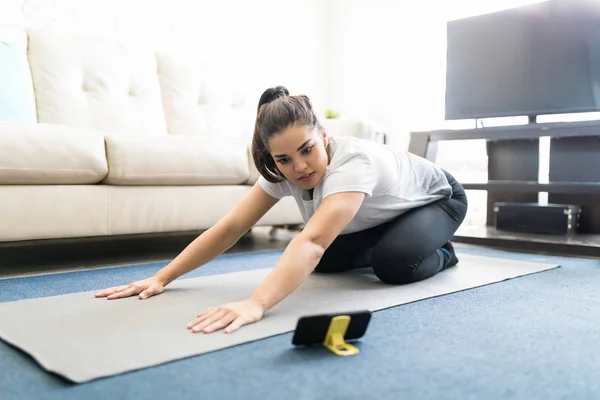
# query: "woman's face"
x,y
300,154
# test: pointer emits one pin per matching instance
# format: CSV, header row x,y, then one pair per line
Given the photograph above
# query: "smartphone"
x,y
312,329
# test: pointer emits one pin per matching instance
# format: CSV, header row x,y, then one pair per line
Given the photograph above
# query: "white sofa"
x,y
127,140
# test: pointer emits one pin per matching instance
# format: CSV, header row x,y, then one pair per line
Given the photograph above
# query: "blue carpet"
x,y
534,337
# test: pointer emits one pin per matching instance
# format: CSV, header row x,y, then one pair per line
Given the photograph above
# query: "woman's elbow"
x,y
313,247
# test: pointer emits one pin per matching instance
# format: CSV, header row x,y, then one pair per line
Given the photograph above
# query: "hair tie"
x,y
277,94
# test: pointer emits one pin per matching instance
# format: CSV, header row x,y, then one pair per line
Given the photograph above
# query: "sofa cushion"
x,y
43,154
176,160
17,100
100,82
202,98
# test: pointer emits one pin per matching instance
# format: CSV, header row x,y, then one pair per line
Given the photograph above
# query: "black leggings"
x,y
406,249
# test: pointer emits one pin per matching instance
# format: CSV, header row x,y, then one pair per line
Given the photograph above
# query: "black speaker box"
x,y
552,219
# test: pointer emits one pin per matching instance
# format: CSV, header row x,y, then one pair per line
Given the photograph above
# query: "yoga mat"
x,y
83,338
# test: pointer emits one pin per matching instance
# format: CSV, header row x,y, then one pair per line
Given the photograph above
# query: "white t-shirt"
x,y
394,182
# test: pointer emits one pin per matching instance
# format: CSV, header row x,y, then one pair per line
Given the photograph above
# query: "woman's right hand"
x,y
144,288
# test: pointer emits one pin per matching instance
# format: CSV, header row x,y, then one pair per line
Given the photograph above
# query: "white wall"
x,y
368,69
260,43
388,59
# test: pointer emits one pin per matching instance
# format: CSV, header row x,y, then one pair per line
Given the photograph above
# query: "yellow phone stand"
x,y
334,340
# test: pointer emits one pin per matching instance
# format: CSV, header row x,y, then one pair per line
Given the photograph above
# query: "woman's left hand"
x,y
230,316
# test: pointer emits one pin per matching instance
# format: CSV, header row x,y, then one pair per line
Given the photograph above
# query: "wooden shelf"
x,y
575,245
534,187
515,132
513,166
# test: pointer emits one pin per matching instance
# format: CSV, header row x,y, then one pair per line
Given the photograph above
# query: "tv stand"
x,y
513,164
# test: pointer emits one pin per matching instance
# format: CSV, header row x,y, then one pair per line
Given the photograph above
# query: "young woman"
x,y
363,205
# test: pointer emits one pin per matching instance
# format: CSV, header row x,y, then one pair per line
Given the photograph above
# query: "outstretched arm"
x,y
210,244
224,234
300,258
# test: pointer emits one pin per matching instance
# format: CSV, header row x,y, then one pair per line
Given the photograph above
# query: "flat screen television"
x,y
539,59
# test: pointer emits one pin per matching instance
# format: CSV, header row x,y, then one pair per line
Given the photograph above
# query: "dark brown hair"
x,y
277,110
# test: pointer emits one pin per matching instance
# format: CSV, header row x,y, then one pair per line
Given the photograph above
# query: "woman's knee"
x,y
397,271
398,268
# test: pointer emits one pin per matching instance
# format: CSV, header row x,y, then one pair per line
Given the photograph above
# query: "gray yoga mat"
x,y
83,338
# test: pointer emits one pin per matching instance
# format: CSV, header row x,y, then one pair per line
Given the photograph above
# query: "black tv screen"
x,y
539,59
